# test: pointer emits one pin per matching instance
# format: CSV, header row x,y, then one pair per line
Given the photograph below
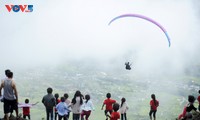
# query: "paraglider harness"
x,y
128,66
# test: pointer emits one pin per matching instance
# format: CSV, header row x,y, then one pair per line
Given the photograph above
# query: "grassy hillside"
x,y
172,92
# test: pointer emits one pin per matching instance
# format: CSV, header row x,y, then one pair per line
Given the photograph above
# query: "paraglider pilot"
x,y
128,66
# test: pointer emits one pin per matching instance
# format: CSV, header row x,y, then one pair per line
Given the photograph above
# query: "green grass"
x,y
135,88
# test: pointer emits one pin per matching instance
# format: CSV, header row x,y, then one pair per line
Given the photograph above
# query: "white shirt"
x,y
87,106
77,106
123,108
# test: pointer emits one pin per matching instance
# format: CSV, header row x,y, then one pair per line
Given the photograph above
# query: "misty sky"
x,y
57,31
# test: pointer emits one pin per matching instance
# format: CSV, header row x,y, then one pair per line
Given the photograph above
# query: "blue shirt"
x,y
62,108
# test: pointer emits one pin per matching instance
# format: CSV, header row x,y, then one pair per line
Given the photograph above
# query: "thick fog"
x,y
70,32
62,31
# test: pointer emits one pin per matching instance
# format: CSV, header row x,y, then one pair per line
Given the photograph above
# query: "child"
x,y
57,101
108,102
123,109
76,103
87,107
153,106
62,109
115,115
188,108
49,102
68,102
26,108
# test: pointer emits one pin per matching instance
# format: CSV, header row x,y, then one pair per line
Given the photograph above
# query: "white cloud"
x,y
77,29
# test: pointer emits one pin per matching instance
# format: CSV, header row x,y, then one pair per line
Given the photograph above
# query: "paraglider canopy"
x,y
145,18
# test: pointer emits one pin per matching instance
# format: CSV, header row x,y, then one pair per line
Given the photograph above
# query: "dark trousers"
x,y
49,113
62,117
76,116
123,116
29,117
199,107
106,112
68,115
153,112
56,114
10,105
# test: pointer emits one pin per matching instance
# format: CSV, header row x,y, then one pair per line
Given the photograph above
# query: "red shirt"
x,y
198,99
58,101
26,110
153,105
115,116
108,102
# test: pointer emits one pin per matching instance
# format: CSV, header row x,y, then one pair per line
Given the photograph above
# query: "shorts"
x,y
106,111
10,105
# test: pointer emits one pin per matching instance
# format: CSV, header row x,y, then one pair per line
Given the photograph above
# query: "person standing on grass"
x,y
87,108
49,102
62,109
123,109
68,102
10,95
26,108
76,103
108,103
153,107
57,101
115,115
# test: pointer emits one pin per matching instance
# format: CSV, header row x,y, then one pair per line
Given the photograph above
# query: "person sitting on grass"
x,y
188,108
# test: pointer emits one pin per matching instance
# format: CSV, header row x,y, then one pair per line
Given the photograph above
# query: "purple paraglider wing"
x,y
145,18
